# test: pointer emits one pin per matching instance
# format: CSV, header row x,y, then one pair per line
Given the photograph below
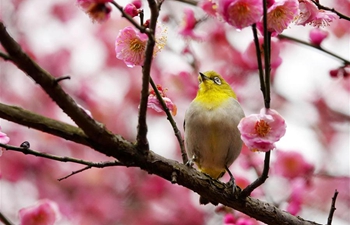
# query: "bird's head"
x,y
213,82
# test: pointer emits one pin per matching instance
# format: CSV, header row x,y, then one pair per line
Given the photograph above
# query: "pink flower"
x,y
131,9
4,139
137,3
296,198
281,14
130,45
46,212
153,102
229,219
98,10
317,36
189,23
310,14
259,132
343,71
208,6
307,13
291,164
249,55
323,18
240,13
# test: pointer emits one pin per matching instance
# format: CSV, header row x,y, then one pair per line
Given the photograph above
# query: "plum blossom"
x,y
189,23
240,13
208,6
4,139
291,164
98,10
317,36
281,14
259,132
131,9
131,44
45,212
310,14
154,104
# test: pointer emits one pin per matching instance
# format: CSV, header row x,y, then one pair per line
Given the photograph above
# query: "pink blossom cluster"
x,y
154,103
280,15
259,132
310,14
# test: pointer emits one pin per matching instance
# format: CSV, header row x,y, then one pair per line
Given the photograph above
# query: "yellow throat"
x,y
213,90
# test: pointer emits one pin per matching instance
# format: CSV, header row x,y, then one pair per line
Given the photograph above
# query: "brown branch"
x,y
341,16
172,122
141,28
261,179
142,142
91,128
281,36
28,151
332,209
29,119
5,220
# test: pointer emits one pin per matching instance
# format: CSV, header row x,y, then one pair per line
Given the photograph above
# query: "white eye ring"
x,y
217,80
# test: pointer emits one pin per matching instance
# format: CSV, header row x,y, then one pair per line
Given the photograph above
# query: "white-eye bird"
x,y
212,138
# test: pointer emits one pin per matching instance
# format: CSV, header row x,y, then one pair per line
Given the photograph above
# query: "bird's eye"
x,y
217,80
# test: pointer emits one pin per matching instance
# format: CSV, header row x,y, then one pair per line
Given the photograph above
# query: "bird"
x,y
212,139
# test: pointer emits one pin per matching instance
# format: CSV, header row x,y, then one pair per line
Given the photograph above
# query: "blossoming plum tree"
x,y
100,149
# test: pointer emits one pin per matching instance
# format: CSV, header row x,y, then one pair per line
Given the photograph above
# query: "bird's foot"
x,y
231,182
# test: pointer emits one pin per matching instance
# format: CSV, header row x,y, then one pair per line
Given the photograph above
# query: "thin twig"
x,y
5,56
5,220
96,165
332,209
341,16
172,122
28,151
281,36
189,2
258,56
58,79
267,54
250,188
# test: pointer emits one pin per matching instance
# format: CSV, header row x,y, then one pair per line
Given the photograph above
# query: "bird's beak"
x,y
203,76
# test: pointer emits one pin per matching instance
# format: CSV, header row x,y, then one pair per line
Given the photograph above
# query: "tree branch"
x,y
5,220
29,119
172,122
28,151
142,142
281,36
332,209
141,28
341,16
265,85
